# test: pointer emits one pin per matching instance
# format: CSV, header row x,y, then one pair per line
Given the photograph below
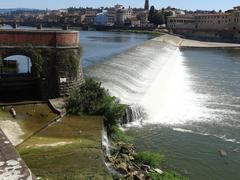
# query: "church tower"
x,y
146,6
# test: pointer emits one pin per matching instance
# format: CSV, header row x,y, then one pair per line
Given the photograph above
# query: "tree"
x,y
156,17
166,14
151,14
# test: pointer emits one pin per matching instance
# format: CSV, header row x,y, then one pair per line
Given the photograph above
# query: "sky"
x,y
183,4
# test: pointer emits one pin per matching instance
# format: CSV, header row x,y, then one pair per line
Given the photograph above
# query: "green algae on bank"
x,y
30,118
70,149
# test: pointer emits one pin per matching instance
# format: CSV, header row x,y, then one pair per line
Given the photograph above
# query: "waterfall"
x,y
105,143
153,80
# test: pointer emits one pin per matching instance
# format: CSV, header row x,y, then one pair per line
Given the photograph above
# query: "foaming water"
x,y
153,80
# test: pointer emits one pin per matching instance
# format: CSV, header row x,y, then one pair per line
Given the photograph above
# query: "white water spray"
x,y
154,81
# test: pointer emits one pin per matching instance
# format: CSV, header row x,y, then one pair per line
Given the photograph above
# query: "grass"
x,y
2,113
118,135
149,158
30,117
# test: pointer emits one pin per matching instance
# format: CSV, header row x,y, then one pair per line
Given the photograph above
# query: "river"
x,y
186,103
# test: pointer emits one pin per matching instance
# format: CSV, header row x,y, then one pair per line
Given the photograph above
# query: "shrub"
x,y
118,135
149,158
92,99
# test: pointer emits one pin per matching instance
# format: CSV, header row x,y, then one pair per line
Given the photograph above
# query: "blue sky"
x,y
184,4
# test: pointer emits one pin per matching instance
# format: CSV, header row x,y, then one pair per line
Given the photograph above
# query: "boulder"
x,y
126,149
139,176
13,112
122,168
159,171
145,168
223,153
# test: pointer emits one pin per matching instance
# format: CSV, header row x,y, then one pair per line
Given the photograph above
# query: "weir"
x,y
154,81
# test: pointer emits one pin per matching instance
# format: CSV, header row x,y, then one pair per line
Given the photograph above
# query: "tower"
x,y
146,6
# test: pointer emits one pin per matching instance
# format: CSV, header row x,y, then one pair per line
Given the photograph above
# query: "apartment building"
x,y
229,20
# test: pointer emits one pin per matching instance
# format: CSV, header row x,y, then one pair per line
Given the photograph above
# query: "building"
x,y
214,25
101,18
146,5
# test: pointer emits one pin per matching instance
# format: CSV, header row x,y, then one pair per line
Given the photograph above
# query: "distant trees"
x,y
157,17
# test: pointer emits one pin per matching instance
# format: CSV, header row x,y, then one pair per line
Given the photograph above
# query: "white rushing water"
x,y
153,80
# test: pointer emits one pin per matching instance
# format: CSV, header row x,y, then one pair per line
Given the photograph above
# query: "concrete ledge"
x,y
187,43
11,165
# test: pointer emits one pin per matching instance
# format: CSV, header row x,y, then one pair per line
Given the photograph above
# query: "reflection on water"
x,y
98,46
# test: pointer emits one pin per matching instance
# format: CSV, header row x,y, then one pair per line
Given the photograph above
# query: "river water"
x,y
186,102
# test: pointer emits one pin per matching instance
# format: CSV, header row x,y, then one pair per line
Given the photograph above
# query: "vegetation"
x,y
149,158
75,142
92,99
70,62
158,17
120,136
36,57
167,176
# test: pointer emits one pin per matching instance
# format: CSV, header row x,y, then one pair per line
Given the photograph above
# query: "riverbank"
x,y
157,33
48,146
188,43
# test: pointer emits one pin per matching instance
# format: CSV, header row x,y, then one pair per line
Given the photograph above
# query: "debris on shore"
x,y
124,162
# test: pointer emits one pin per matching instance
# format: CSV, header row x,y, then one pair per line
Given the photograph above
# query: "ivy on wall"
x,y
69,62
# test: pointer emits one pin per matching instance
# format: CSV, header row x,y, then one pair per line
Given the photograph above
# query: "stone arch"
x,y
55,57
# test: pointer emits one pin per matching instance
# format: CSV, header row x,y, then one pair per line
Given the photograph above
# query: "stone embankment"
x,y
11,164
188,43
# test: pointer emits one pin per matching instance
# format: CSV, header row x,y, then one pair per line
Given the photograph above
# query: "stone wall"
x,y
39,38
55,57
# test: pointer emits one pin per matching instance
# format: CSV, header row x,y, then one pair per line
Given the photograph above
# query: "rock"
x,y
13,112
145,167
126,149
122,168
223,153
139,176
159,171
131,168
236,150
125,157
131,158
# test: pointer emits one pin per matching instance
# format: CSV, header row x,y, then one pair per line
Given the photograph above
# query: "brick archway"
x,y
55,57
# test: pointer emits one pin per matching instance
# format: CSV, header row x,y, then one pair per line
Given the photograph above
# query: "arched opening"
x,y
17,82
16,66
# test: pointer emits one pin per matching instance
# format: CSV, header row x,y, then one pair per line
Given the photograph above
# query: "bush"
x,y
149,158
118,135
92,99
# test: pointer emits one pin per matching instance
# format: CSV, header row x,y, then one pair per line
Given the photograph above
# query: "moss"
x,y
2,113
70,62
65,162
79,158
